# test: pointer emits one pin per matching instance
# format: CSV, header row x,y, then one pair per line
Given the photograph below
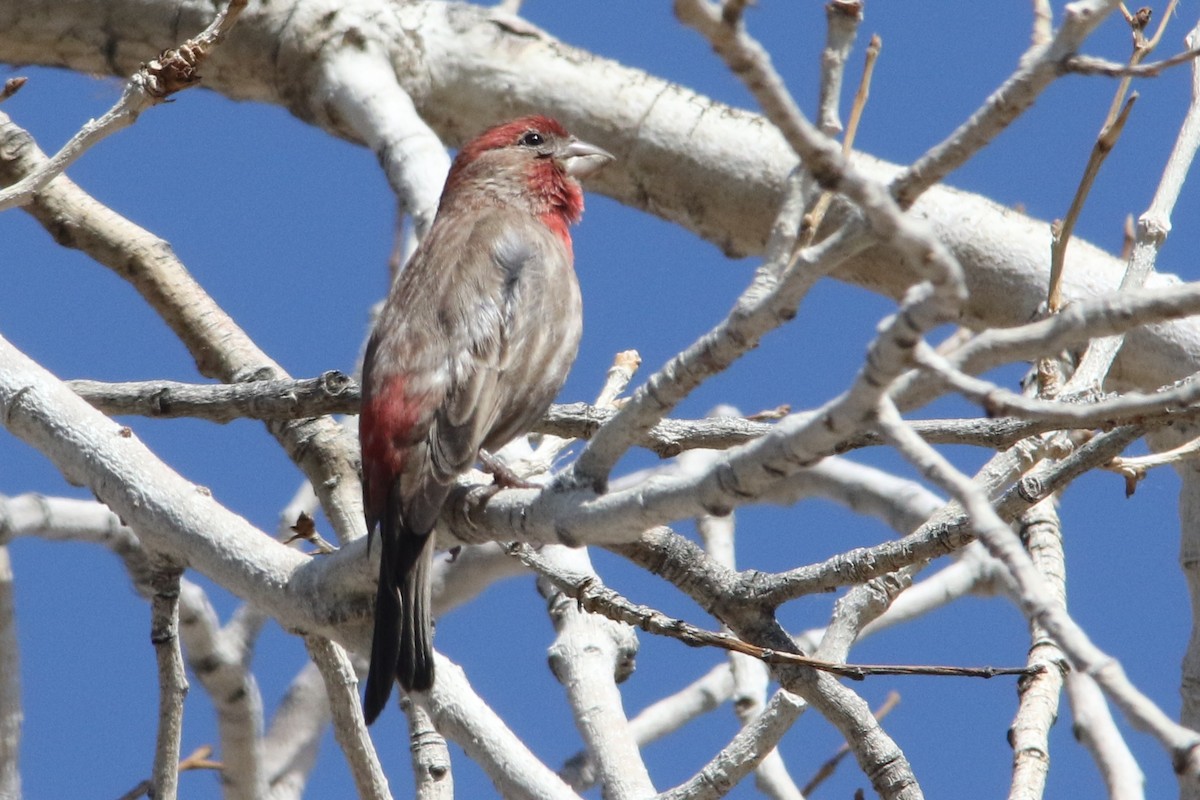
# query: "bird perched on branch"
x,y
475,339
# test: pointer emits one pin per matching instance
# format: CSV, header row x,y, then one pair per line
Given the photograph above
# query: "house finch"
x,y
476,338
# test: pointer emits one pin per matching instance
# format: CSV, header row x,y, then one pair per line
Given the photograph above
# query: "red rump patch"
x,y
385,427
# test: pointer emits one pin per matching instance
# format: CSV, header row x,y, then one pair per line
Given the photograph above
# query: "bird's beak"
x,y
581,159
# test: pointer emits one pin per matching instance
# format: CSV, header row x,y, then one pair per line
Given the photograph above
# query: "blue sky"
x,y
290,230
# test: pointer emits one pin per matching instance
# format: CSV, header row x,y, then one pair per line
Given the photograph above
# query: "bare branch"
x,y
748,747
827,769
1040,66
1091,65
289,748
1029,734
11,714
319,446
589,657
463,717
594,596
171,72
349,728
430,754
1153,228
1062,231
660,719
1095,729
1181,744
1043,23
172,682
944,533
365,98
842,18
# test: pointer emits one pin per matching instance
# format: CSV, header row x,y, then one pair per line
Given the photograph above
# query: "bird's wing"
x,y
447,331
480,390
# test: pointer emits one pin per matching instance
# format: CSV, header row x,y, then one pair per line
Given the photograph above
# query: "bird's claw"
x,y
502,476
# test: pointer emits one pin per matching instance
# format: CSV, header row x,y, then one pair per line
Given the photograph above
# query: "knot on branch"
x,y
336,383
174,70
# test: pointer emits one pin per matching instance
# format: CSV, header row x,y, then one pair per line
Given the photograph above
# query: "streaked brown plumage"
x,y
475,339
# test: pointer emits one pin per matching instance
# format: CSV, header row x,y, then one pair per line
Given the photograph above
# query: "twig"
x,y
1039,67
199,759
1074,325
747,749
1091,65
173,71
625,364
812,220
1134,468
1142,47
332,392
219,347
1126,407
1153,227
172,680
1110,131
1182,745
592,595
826,770
864,91
842,20
944,533
1062,230
335,393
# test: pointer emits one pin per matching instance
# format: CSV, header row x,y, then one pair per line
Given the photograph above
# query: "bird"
x,y
475,339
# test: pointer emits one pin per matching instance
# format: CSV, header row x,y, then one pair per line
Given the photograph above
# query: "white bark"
x,y
400,76
680,156
11,713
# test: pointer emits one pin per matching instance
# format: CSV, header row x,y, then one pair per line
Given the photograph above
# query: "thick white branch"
x,y
679,155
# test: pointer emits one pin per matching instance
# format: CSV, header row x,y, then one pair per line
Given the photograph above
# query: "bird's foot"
x,y
502,476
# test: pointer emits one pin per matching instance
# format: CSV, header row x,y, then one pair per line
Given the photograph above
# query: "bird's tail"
x,y
415,665
402,643
385,646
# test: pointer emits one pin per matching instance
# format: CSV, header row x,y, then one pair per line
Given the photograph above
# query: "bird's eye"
x,y
532,139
